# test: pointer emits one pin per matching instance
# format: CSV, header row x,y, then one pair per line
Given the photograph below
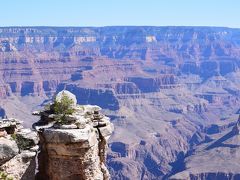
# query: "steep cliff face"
x,y
71,147
114,42
75,149
160,85
35,60
213,158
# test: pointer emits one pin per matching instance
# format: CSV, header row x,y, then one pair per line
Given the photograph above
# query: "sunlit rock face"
x,y
75,149
36,60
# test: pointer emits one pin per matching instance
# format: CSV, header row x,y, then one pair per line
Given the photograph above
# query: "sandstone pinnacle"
x,y
75,148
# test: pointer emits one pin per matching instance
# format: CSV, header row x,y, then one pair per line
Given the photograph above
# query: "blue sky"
x,y
120,12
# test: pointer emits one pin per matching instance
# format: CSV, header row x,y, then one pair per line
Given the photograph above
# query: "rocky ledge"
x,y
18,150
73,147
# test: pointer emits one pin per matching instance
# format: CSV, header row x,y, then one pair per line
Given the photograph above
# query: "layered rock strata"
x,y
160,85
217,158
75,149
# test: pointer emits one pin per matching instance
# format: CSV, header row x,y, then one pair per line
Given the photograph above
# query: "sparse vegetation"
x,y
14,137
63,108
5,176
22,143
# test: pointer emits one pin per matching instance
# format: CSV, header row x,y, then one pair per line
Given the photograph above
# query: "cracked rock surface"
x,y
76,150
18,148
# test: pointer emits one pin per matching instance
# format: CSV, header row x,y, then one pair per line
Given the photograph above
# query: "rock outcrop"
x,y
75,149
18,150
8,150
71,147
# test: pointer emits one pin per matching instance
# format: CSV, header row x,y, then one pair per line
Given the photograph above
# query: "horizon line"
x,y
69,26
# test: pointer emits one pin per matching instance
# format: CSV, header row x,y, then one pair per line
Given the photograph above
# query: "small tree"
x,y
63,107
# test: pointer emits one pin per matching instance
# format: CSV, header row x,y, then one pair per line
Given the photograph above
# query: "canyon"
x,y
168,91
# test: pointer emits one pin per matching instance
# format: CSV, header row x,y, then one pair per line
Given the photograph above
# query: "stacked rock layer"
x,y
75,149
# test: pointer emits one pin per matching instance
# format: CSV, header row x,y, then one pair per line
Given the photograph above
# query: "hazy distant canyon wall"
x,y
31,57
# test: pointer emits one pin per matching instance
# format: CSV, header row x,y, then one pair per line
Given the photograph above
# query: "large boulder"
x,y
80,146
8,149
71,96
21,166
26,139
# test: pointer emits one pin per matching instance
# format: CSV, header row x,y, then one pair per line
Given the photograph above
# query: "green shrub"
x,y
14,137
22,143
5,176
63,108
